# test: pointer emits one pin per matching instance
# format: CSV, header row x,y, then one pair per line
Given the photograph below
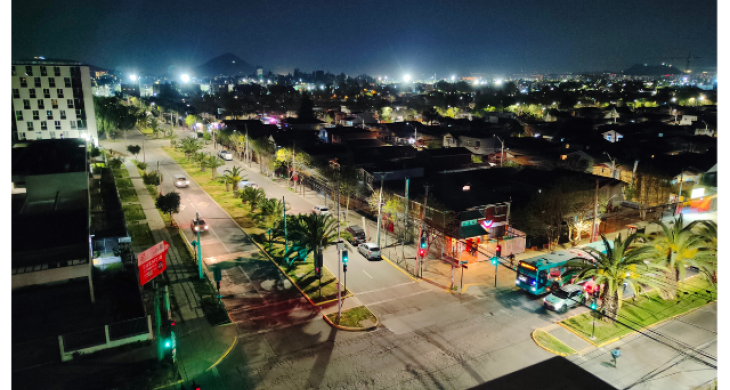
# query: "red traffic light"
x,y
421,252
499,250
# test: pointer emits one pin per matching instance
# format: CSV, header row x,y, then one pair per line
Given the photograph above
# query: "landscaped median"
x,y
549,343
355,319
649,309
301,274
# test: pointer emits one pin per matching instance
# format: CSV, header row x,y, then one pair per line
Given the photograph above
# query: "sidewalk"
x,y
200,345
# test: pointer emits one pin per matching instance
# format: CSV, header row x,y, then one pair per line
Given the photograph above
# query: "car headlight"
x,y
532,288
187,182
206,227
196,228
517,282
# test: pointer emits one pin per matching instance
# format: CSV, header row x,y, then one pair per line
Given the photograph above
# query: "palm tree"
x,y
214,162
170,134
677,248
252,196
190,146
154,125
232,177
620,264
202,159
270,208
707,232
314,232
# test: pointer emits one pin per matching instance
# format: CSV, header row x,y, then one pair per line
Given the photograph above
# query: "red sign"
x,y
152,262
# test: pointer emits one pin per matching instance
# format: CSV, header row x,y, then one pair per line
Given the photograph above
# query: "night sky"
x,y
420,37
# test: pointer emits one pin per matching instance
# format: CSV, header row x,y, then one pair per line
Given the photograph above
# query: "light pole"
x,y
380,202
199,247
501,159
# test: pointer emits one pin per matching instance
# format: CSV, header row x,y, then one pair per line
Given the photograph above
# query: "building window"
x,y
43,71
21,136
32,93
44,125
23,82
54,103
52,134
47,93
56,71
28,70
29,125
14,70
16,93
36,115
57,124
51,82
26,104
49,114
37,81
40,104
81,124
73,124
608,137
70,103
67,82
18,115
78,113
63,114
59,92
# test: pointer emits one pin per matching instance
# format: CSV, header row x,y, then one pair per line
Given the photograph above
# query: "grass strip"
x,y
353,317
128,195
648,309
133,212
302,273
550,343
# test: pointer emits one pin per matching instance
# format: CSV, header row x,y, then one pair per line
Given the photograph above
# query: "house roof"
x,y
443,152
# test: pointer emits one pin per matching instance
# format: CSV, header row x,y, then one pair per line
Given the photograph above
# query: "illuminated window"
x,y
563,157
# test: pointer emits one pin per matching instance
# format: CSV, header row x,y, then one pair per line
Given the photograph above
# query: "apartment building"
x,y
52,100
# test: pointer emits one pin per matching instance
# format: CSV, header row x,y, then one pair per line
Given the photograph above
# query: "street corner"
x,y
356,319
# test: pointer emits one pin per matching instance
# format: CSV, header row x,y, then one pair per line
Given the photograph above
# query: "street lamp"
x,y
133,77
406,78
185,78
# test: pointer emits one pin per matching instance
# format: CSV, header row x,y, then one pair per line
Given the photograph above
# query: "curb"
x,y
398,268
235,340
548,349
352,328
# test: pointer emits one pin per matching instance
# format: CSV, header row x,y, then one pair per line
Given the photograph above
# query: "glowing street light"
x,y
133,77
498,82
406,78
185,78
453,78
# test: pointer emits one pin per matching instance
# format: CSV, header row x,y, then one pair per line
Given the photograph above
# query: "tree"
x,y
314,232
214,162
190,120
169,203
170,134
707,232
116,163
306,109
152,178
232,177
263,149
622,264
434,144
190,146
134,149
676,249
206,137
202,159
271,208
252,196
349,185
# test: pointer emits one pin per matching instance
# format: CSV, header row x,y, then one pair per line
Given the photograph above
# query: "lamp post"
x,y
501,159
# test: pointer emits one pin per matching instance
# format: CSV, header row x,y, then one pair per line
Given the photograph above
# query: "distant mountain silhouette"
x,y
226,65
650,70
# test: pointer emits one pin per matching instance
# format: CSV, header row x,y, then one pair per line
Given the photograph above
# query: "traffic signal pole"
x,y
339,253
158,322
419,258
200,248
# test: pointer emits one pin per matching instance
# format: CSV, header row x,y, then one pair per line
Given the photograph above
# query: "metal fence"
x,y
84,339
124,329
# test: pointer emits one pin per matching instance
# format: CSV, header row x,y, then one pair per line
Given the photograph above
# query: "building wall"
x,y
67,119
50,275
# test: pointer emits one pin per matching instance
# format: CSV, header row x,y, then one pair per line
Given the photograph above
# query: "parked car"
x,y
199,225
567,296
321,210
181,181
226,155
245,183
369,250
357,233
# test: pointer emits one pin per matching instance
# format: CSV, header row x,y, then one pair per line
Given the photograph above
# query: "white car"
x,y
369,250
321,210
226,155
562,299
245,183
181,181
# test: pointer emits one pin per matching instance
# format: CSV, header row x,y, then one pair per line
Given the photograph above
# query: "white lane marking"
x,y
367,274
392,299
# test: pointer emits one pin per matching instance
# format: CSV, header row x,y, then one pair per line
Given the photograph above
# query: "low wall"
x,y
50,275
108,341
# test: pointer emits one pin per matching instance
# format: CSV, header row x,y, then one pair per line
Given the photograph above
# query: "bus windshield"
x,y
526,269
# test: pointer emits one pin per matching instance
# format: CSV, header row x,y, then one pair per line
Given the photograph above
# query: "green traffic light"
x,y
167,344
593,305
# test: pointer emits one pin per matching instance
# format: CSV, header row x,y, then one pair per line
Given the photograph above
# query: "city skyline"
x,y
384,39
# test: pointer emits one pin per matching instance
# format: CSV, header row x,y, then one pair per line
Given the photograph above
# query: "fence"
x,y
108,336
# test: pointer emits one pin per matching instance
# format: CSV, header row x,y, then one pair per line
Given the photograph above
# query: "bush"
x,y
142,165
199,134
151,178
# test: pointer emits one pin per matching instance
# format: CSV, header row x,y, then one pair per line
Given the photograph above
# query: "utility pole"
x,y
380,206
339,249
419,259
159,177
679,198
286,243
200,248
248,150
158,322
293,166
501,159
595,213
144,155
405,230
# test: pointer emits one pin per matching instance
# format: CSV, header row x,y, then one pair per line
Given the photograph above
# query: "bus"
x,y
547,272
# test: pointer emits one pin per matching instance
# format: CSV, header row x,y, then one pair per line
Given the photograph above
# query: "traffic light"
x,y
344,268
593,305
499,250
494,261
345,257
596,292
218,284
424,244
318,271
422,252
171,322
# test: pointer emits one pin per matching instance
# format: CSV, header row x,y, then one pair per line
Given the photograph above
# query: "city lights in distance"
x,y
498,82
185,77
